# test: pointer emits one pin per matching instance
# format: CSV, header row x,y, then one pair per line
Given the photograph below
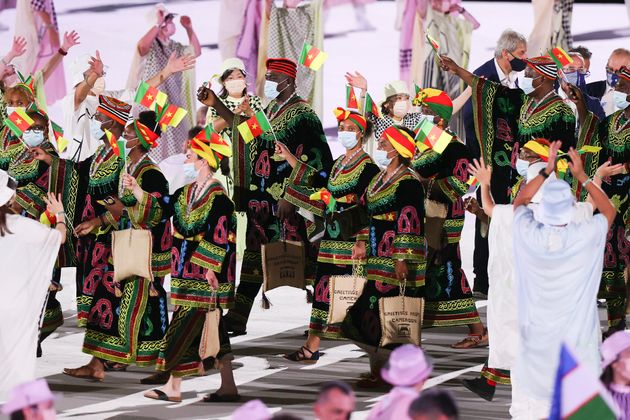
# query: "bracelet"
x,y
62,52
599,176
543,173
61,223
61,213
585,183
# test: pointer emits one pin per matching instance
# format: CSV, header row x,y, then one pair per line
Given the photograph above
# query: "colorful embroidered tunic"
x,y
204,238
260,181
346,183
130,328
613,135
505,119
449,298
396,231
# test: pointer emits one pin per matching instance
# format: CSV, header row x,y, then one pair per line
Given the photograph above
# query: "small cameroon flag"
x,y
560,57
254,126
417,88
325,196
62,142
312,57
472,182
351,98
433,136
47,218
113,142
171,116
147,96
370,106
18,122
433,43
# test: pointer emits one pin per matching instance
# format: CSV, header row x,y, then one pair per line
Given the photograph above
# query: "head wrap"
x,y
540,147
210,146
437,101
26,83
344,114
624,72
613,346
113,108
543,65
147,137
401,140
407,366
282,65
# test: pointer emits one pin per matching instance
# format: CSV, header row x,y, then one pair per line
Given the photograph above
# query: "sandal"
x,y
115,367
161,396
218,398
300,357
91,375
470,341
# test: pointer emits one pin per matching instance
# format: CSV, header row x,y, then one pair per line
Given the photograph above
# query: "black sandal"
x,y
161,396
214,397
300,357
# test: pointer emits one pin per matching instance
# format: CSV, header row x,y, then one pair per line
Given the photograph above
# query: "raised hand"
x,y
447,64
185,22
53,204
178,64
96,64
206,96
17,48
70,40
576,166
356,80
554,148
481,171
573,92
607,169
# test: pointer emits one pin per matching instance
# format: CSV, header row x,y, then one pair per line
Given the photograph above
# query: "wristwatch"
x,y
543,173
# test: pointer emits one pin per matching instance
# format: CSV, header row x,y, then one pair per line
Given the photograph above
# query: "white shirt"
x,y
607,101
508,80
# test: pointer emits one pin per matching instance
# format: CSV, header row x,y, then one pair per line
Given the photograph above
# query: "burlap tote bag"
x,y
131,254
343,292
283,265
210,345
401,318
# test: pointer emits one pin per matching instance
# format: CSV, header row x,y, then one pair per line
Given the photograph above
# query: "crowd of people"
x,y
130,198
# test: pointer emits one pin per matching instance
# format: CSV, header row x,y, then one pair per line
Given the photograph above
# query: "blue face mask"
x,y
348,139
190,172
381,159
33,138
619,98
572,77
96,131
611,79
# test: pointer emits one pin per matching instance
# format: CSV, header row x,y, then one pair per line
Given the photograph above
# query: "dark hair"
x,y
343,387
149,118
434,402
192,133
224,93
583,51
17,415
285,416
607,376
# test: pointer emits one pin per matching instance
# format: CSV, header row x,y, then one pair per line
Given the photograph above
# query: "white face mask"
x,y
12,109
401,108
619,98
522,166
235,87
527,84
33,138
96,131
271,89
99,86
190,172
381,159
348,139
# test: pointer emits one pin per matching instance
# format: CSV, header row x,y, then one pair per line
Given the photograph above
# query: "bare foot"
x,y
86,372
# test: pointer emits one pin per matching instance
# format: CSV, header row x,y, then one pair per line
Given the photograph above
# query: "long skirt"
x,y
321,303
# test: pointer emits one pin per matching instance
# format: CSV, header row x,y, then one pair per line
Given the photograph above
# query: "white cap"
x,y
8,185
80,65
557,204
397,87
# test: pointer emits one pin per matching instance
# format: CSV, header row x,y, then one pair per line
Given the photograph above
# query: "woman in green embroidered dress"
x,y
202,272
127,320
346,182
394,245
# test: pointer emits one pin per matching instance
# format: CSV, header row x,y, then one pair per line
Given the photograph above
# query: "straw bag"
x,y
344,291
283,264
210,345
132,250
401,318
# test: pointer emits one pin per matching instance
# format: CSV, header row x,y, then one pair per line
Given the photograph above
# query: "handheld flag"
x,y
62,142
416,88
351,98
589,149
325,196
434,45
47,218
18,122
560,57
170,116
578,393
113,142
472,182
147,96
254,126
370,106
432,136
312,57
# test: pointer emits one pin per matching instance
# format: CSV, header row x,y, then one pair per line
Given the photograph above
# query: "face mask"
x,y
96,131
517,64
611,79
619,98
12,109
128,149
348,139
235,87
572,77
190,172
527,84
381,159
401,108
522,166
33,138
99,86
271,89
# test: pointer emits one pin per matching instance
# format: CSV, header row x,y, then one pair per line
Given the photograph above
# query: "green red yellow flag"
x,y
147,96
560,57
434,45
113,142
61,141
18,122
254,126
312,57
325,196
370,106
416,88
351,98
47,218
171,116
432,136
472,182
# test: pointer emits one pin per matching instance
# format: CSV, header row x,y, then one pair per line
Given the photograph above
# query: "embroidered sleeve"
x,y
408,243
589,135
147,212
31,198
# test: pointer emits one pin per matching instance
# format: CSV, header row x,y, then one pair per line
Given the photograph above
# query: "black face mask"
x,y
517,64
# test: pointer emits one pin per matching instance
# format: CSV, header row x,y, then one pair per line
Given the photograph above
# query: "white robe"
x,y
27,258
558,271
